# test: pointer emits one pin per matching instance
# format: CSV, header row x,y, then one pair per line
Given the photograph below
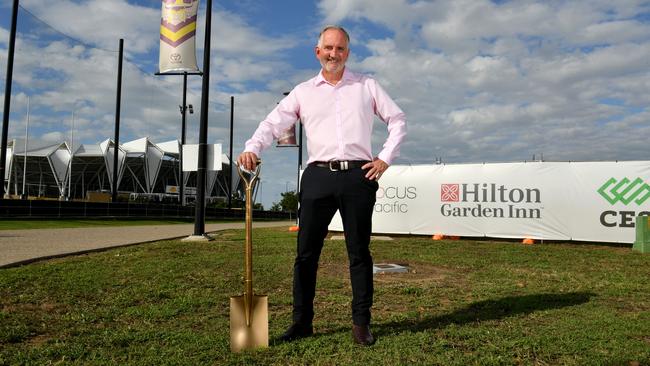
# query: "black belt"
x,y
335,165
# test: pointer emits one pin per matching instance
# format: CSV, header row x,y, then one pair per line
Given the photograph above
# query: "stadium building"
x,y
147,171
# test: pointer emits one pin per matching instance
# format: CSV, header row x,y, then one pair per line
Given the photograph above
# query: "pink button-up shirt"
x,y
337,119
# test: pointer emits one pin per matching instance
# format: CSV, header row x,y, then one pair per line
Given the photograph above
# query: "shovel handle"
x,y
249,184
254,175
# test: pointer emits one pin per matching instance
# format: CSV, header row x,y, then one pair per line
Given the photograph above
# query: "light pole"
x,y
7,103
259,189
69,185
230,177
199,212
24,196
184,108
118,101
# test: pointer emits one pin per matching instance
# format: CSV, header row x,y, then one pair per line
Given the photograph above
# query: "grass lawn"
x,y
465,302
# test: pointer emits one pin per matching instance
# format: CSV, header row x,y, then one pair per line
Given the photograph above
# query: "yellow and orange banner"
x,y
178,36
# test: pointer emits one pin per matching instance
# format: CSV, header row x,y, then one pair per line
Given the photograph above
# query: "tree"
x,y
288,203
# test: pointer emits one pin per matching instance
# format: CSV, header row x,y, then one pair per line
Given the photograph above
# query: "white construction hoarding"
x,y
585,201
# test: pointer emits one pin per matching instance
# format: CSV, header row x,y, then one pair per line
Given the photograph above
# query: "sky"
x,y
479,80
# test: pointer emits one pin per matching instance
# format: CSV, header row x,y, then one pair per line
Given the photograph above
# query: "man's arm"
x,y
280,118
393,116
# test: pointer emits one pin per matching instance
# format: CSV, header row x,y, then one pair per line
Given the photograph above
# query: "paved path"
x,y
26,246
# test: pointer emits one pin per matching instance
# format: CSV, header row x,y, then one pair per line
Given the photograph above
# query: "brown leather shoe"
x,y
361,335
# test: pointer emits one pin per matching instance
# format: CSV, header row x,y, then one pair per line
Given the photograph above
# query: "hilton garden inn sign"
x,y
586,201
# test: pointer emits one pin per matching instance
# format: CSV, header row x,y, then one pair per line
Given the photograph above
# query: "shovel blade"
x,y
251,336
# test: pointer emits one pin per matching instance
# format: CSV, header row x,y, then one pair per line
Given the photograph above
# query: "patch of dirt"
x,y
420,273
39,339
627,305
29,307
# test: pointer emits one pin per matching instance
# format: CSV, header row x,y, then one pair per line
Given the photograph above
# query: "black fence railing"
x,y
74,209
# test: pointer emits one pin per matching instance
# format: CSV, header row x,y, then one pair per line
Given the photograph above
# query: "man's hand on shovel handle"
x,y
248,160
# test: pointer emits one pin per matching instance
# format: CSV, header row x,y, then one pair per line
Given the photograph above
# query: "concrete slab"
x,y
198,238
389,268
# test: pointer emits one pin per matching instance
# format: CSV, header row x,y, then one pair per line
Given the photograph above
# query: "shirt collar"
x,y
347,75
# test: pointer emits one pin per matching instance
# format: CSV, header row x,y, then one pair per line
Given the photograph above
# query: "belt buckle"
x,y
334,165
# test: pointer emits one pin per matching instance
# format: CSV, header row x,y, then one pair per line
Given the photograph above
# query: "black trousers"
x,y
322,192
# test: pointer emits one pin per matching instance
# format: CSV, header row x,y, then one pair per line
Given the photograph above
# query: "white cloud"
x,y
101,22
4,39
53,137
484,72
61,72
614,32
241,69
607,62
233,36
500,82
393,13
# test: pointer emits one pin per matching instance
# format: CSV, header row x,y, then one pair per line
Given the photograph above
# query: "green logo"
x,y
625,191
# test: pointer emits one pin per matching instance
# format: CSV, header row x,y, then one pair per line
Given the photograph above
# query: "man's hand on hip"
x,y
376,168
248,160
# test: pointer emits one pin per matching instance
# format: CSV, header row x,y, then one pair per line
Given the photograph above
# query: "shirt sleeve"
x,y
279,120
389,112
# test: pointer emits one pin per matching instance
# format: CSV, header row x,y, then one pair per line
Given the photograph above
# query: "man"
x,y
336,108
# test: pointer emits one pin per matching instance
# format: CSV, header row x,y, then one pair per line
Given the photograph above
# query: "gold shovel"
x,y
249,313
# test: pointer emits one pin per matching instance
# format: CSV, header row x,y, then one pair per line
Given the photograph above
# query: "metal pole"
x,y
181,196
25,158
299,167
5,115
116,147
71,155
199,217
299,147
232,163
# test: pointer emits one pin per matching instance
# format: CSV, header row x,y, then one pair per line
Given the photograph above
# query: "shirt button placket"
x,y
339,123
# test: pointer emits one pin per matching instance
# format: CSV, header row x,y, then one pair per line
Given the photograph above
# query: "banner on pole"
x,y
178,36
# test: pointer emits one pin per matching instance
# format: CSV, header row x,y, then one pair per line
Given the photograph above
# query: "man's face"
x,y
333,51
